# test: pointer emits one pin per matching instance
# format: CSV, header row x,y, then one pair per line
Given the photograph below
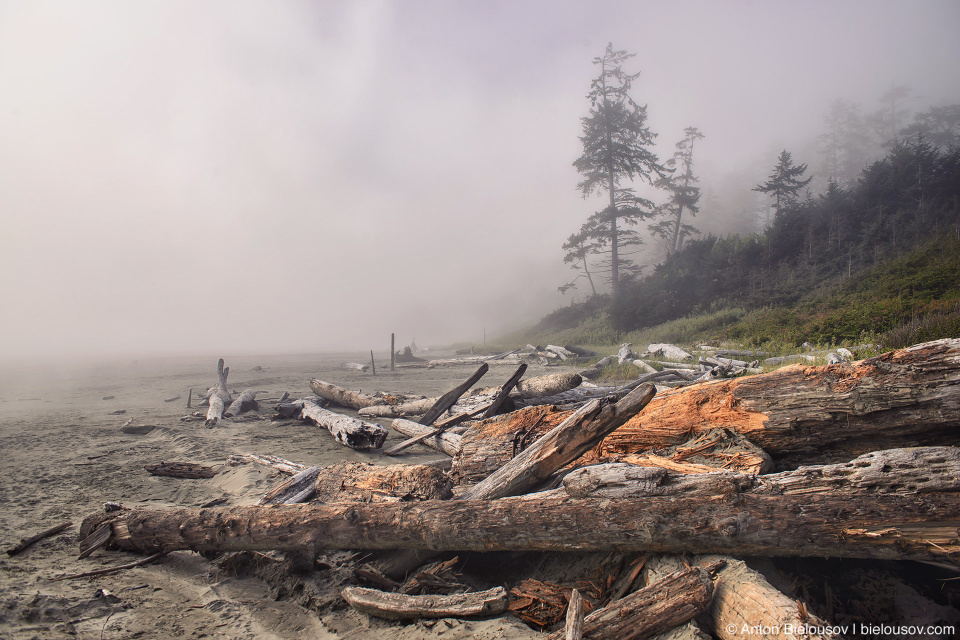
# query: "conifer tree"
x,y
784,183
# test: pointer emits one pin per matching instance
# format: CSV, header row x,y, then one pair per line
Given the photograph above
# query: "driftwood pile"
x,y
847,460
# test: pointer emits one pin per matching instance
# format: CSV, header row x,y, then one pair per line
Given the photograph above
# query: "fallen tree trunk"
x,y
647,612
448,399
351,432
398,606
821,525
343,397
295,489
580,395
448,443
743,601
219,389
367,482
274,462
214,411
656,568
901,471
246,401
797,414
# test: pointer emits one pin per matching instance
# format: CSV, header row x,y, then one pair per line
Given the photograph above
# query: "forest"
x,y
874,253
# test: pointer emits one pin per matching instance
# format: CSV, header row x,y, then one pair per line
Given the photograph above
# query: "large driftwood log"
x,y
399,606
526,393
656,568
246,401
901,471
343,397
351,432
744,600
219,389
274,462
214,411
903,398
652,610
822,525
565,443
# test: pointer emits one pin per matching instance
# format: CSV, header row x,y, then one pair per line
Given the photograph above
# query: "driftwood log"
x,y
903,398
350,432
900,471
246,401
744,600
367,482
343,397
295,489
886,526
655,568
446,442
652,610
399,606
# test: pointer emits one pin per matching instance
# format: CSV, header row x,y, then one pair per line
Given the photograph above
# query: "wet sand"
x,y
63,456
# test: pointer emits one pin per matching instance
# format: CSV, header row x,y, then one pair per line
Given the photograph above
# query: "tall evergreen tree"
x,y
684,195
784,183
616,150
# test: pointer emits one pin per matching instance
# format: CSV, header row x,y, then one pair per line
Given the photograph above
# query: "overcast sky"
x,y
268,177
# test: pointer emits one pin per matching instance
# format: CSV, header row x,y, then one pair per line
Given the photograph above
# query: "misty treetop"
x,y
785,181
617,149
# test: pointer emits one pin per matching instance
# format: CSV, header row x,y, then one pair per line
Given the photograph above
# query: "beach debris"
x,y
26,543
573,628
295,489
669,351
541,604
137,429
217,397
186,470
398,606
343,397
355,365
368,482
274,462
108,397
349,431
103,572
173,399
625,353
246,401
484,411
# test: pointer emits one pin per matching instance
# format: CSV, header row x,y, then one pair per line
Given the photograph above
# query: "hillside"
x,y
876,261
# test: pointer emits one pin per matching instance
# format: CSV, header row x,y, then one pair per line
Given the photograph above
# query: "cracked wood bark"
x,y
295,489
647,612
885,526
797,414
658,567
368,482
343,397
901,471
350,432
398,606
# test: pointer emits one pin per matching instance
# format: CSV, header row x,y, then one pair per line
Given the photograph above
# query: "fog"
x,y
250,177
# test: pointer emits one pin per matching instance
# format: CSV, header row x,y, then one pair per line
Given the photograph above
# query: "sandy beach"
x,y
64,456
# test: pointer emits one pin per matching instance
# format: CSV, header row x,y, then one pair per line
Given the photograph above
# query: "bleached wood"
x,y
398,606
343,397
351,432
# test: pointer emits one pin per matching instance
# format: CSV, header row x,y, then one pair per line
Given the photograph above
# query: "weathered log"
x,y
581,395
189,470
398,606
745,603
496,358
343,397
295,489
448,399
797,414
581,352
351,432
821,525
525,394
219,389
625,353
652,610
592,372
448,443
900,471
565,443
215,411
710,450
669,351
367,482
354,365
246,401
656,568
560,351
